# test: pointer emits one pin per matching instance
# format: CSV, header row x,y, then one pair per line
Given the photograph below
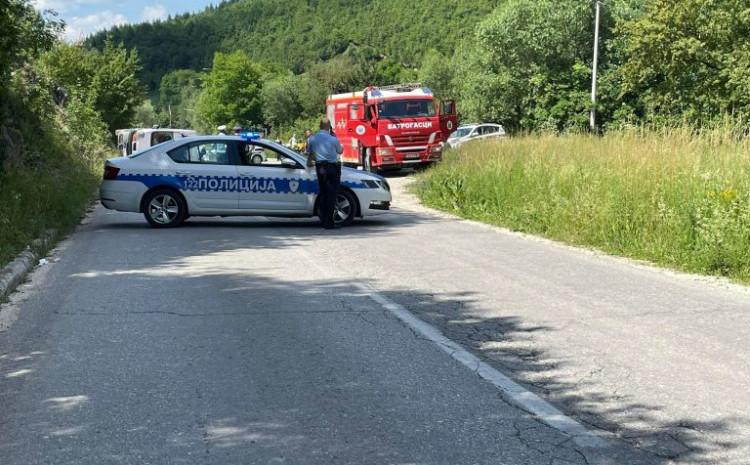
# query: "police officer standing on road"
x,y
323,150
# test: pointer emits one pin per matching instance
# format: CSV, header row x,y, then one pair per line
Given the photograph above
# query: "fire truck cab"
x,y
391,127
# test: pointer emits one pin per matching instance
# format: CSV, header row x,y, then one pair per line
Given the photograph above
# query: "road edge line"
x,y
512,391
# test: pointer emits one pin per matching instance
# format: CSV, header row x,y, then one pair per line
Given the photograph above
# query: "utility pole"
x,y
596,64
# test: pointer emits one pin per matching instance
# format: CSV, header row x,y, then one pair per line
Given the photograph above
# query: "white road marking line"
x,y
513,391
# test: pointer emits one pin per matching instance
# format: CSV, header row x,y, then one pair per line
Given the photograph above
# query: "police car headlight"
x,y
377,183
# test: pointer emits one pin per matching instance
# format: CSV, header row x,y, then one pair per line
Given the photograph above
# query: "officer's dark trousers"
x,y
329,179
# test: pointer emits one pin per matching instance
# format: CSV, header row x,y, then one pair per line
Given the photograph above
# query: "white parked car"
x,y
223,176
469,132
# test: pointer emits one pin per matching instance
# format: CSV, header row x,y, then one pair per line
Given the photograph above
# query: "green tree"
x,y
145,115
71,67
437,72
117,91
231,93
389,71
25,34
104,80
529,63
690,59
341,74
280,96
527,58
178,95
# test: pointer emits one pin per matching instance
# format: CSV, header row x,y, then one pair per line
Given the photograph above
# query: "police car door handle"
x,y
182,173
245,175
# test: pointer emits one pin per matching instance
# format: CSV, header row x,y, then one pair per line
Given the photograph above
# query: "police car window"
x,y
211,153
150,149
258,155
179,155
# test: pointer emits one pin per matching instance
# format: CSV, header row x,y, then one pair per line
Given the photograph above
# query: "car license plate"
x,y
411,156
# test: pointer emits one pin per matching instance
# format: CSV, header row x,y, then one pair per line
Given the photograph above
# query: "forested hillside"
x,y
297,33
524,63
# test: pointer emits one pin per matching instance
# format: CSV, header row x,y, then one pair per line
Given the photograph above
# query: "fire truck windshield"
x,y
391,109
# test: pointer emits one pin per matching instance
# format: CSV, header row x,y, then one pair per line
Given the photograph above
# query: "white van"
x,y
142,139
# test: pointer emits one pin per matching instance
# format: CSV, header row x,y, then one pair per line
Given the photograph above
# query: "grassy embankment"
x,y
50,189
674,198
34,200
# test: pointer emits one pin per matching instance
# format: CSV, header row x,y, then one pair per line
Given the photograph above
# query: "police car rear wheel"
x,y
164,208
345,209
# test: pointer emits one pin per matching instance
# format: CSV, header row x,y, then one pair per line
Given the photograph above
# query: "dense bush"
x,y
105,80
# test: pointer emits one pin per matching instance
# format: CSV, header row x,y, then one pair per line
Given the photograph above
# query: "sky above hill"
x,y
84,17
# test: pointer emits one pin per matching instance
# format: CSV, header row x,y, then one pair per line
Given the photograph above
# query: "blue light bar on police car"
x,y
250,135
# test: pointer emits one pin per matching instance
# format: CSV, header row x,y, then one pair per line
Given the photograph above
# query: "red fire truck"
x,y
391,127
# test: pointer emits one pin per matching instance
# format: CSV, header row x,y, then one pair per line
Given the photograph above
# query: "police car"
x,y
224,176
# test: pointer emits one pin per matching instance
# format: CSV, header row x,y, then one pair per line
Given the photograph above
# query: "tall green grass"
x,y
52,193
679,198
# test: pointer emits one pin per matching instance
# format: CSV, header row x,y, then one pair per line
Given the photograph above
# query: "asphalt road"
x,y
253,341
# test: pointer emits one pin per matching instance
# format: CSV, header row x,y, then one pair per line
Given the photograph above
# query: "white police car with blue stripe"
x,y
230,176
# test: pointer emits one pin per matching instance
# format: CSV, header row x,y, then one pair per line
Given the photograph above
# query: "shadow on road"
x,y
508,344
502,342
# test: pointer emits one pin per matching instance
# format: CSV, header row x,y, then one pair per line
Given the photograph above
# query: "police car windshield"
x,y
391,109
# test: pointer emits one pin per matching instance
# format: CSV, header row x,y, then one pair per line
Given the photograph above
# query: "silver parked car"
x,y
469,132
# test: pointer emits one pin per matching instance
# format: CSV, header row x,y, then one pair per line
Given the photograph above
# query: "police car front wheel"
x,y
164,208
345,209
